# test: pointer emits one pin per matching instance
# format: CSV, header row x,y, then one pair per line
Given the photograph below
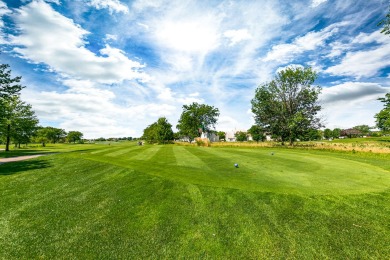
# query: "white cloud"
x,y
111,5
351,103
188,35
364,63
315,3
288,51
3,11
91,109
236,36
352,92
50,38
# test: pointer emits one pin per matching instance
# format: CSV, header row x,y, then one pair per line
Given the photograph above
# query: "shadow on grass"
x,y
11,168
15,153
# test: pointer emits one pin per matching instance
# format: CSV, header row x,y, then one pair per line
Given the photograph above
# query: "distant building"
x,y
211,136
351,132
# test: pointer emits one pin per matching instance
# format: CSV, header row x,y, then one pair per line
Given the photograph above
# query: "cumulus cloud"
x,y
364,63
112,5
66,53
91,110
352,92
351,103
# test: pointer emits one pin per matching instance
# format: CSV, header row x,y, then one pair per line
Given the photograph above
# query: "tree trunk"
x,y
8,138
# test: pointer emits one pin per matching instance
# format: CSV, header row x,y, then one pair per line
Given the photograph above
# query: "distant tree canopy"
x,y
74,136
50,135
288,105
383,117
257,133
328,133
221,135
159,132
197,118
364,129
241,136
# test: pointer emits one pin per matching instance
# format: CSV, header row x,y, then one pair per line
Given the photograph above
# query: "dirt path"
x,y
19,158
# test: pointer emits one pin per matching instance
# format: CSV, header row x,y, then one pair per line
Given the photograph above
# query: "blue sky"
x,y
110,68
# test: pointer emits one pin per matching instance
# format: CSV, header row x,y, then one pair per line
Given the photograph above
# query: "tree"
x,y
221,135
287,106
50,134
336,133
386,23
8,86
18,120
257,133
364,129
328,133
74,136
241,136
383,117
159,132
311,135
197,118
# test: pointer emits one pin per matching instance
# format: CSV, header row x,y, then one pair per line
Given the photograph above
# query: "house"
x,y
230,136
211,136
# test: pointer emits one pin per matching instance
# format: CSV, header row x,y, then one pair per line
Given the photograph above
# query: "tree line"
x,y
286,108
18,122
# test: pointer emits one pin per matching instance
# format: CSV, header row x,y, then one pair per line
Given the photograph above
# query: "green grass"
x,y
129,202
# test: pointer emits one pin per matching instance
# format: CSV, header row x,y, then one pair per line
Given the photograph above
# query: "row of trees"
x,y
18,122
194,120
287,108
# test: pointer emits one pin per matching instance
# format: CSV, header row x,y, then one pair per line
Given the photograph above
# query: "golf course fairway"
x,y
267,170
124,201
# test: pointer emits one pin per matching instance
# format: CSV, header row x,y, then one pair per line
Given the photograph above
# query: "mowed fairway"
x,y
134,202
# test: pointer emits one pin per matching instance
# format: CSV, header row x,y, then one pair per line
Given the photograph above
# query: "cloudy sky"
x,y
111,67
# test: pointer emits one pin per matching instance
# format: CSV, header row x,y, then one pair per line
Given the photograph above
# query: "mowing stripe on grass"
x,y
147,154
187,159
105,150
123,151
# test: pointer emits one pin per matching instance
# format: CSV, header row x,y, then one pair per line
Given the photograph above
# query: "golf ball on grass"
x,y
236,165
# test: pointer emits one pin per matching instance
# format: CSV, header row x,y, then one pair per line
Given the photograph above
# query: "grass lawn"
x,y
123,201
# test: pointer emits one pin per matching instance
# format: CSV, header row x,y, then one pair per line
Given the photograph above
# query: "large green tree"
x,y
159,132
50,134
18,121
383,117
74,136
288,105
197,118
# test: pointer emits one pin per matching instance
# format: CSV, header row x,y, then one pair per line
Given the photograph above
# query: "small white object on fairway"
x,y
236,165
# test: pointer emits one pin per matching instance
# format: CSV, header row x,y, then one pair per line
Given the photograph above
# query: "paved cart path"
x,y
19,158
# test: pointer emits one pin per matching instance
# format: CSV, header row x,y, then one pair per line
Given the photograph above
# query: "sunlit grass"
x,y
123,201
